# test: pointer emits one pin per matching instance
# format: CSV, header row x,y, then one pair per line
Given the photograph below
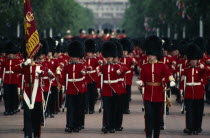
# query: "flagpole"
x,y
30,82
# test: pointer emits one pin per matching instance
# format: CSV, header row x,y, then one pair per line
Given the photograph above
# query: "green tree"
x,y
59,15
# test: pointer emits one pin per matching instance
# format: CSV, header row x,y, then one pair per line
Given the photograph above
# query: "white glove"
x,y
56,43
58,72
172,83
50,73
83,72
18,90
140,83
28,61
39,72
201,66
181,93
98,90
63,89
118,72
100,62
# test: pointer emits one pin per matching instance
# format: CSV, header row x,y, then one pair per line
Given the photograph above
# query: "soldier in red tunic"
x,y
82,33
106,36
32,95
10,79
2,58
130,63
91,76
73,76
53,65
207,63
193,90
151,78
110,87
119,104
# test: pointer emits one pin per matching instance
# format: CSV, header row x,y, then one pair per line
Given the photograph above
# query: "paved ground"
x,y
11,126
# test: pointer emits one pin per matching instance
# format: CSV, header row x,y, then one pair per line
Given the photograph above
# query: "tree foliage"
x,y
163,14
60,15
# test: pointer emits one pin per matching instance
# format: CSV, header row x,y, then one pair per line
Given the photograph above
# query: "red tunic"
x,y
10,77
110,82
91,65
25,72
128,61
154,72
121,79
75,78
194,87
53,65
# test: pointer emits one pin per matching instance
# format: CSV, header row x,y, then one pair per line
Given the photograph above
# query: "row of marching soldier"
x,y
74,72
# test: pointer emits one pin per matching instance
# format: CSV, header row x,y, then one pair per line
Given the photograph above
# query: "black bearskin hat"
x,y
194,52
167,44
81,31
119,47
90,45
11,48
98,44
43,49
182,47
90,30
106,31
199,41
2,46
208,46
51,45
76,49
118,31
174,45
153,46
109,49
127,45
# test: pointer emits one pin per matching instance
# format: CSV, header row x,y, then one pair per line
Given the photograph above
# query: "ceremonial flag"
x,y
31,33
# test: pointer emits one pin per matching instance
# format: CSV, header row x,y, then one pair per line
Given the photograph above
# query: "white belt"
x,y
91,71
110,81
45,78
122,79
128,72
193,83
9,72
75,80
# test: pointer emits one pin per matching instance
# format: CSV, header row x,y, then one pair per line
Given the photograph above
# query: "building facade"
x,y
107,13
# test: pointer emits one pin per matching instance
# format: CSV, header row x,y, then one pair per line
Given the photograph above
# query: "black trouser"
x,y
152,118
207,89
10,97
90,96
82,110
194,114
49,108
127,98
73,108
54,95
109,113
119,111
32,119
136,70
175,91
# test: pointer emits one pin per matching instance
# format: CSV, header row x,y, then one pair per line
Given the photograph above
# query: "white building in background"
x,y
107,13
